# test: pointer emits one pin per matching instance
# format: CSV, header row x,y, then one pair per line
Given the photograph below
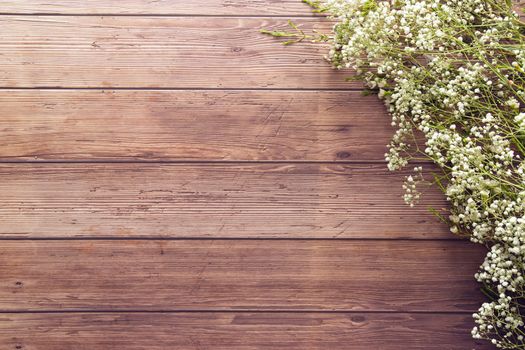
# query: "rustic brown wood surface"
x,y
173,179
239,275
178,125
237,330
166,7
160,52
212,200
159,7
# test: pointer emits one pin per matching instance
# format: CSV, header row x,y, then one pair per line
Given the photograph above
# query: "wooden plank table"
x,y
173,179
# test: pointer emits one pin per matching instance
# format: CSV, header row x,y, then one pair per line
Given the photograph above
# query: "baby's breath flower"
x,y
453,72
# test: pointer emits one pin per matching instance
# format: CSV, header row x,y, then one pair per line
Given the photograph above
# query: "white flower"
x,y
520,120
452,71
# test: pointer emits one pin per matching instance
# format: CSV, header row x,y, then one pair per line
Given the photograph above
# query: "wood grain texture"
x,y
239,275
165,52
192,125
166,7
153,133
237,331
160,7
212,200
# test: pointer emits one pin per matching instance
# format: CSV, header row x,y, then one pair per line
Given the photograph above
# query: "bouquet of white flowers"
x,y
452,71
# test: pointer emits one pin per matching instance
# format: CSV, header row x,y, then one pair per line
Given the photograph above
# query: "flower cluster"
x,y
452,72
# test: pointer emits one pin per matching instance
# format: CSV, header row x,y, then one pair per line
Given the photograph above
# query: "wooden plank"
x,y
160,52
212,200
166,7
163,275
191,125
162,7
240,330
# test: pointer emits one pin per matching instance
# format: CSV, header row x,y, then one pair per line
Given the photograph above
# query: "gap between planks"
x,y
204,162
240,238
233,311
168,15
175,88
